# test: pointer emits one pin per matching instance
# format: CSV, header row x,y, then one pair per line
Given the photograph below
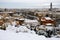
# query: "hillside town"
x,y
45,21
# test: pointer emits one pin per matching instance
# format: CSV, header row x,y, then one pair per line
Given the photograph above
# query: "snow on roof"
x,y
59,25
30,21
16,18
42,26
48,18
7,17
49,27
21,19
1,17
42,20
48,24
6,12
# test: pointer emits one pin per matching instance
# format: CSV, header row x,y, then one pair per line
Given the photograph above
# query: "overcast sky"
x,y
29,3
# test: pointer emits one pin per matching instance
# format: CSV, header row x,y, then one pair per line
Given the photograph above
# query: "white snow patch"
x,y
48,18
33,22
49,24
49,28
7,35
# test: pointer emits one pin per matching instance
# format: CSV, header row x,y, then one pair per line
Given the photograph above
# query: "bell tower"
x,y
50,7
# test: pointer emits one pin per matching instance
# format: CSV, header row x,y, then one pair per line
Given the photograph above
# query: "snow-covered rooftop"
x,y
48,18
21,19
49,24
30,21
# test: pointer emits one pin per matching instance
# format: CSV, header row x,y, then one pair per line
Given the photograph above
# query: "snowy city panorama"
x,y
29,20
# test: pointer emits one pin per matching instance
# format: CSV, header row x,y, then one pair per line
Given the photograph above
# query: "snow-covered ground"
x,y
23,34
9,35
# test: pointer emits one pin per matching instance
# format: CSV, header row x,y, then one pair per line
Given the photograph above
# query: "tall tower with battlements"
x,y
50,7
